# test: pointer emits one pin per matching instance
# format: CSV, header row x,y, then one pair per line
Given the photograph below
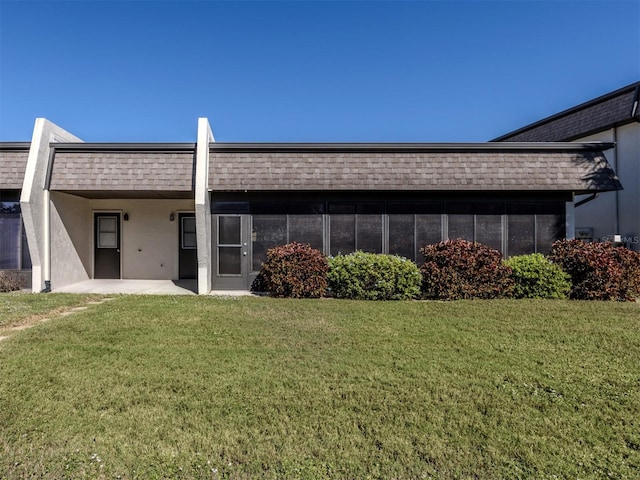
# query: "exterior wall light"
x,y
126,217
172,217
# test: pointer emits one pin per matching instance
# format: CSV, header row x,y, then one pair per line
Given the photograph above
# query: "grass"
x,y
17,308
192,387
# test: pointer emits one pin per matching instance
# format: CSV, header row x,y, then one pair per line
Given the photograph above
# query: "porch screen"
x,y
268,231
306,229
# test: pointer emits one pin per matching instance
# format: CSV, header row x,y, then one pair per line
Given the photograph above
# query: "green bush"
x,y
535,276
458,269
373,276
599,271
10,282
294,270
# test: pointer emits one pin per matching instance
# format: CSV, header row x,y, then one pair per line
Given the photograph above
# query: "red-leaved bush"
x,y
458,269
10,282
295,270
599,271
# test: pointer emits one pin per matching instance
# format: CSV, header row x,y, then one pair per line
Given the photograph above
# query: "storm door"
x,y
231,252
188,252
107,245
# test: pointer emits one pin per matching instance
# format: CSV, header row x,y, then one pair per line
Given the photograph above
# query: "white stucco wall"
x,y
149,246
629,173
34,199
71,247
600,214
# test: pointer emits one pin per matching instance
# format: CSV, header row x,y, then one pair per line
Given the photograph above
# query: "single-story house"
x,y
612,118
73,211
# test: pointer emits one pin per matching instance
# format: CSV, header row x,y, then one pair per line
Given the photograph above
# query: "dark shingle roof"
x,y
457,167
149,168
13,162
613,109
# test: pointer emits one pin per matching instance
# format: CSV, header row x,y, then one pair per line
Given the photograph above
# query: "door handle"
x,y
244,254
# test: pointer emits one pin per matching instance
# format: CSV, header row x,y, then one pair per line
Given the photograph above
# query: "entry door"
x,y
188,252
231,252
107,245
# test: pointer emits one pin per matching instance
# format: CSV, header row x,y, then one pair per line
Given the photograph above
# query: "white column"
x,y
202,206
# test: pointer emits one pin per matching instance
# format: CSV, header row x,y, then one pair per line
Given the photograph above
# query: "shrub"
x,y
295,270
458,269
10,282
535,276
599,271
374,276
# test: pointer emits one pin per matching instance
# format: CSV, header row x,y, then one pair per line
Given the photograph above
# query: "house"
x,y
209,211
612,118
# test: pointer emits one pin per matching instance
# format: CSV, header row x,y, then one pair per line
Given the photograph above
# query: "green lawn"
x,y
192,387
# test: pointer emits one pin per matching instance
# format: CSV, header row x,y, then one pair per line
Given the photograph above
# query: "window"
x,y
107,232
14,252
189,232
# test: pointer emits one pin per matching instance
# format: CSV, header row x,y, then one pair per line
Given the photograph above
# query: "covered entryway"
x,y
107,245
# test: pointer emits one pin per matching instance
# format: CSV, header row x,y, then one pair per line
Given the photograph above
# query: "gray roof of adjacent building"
x,y
614,109
13,163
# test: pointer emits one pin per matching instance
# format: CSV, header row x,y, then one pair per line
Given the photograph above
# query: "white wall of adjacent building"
x,y
615,213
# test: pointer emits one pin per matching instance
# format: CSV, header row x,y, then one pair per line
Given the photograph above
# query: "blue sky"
x,y
361,71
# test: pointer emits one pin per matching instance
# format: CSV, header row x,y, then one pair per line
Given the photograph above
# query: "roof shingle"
x,y
610,110
13,163
526,170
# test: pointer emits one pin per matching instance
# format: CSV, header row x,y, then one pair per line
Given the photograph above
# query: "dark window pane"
x,y
285,206
188,232
306,229
489,208
425,208
10,240
459,208
342,208
229,230
107,232
230,207
343,234
461,226
268,231
521,235
370,208
229,259
489,230
401,236
549,228
26,256
428,231
369,228
521,209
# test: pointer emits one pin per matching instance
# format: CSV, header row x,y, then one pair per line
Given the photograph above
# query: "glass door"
x,y
231,252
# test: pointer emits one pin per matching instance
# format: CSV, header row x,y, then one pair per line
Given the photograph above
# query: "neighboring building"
x,y
211,210
614,118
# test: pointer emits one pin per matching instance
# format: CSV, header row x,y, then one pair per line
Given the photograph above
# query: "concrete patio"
x,y
144,287
148,287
